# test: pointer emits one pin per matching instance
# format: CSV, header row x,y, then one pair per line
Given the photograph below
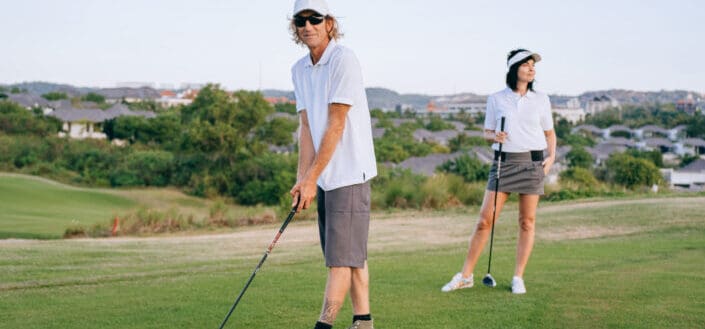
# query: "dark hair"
x,y
513,74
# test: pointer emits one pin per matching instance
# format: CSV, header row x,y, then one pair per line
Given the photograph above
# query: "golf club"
x,y
266,253
488,280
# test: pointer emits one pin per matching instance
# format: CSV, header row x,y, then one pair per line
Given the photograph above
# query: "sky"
x,y
410,46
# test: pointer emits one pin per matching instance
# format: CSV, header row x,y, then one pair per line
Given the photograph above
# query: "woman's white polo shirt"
x,y
527,117
337,78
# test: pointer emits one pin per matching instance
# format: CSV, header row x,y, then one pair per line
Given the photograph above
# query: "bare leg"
x,y
336,288
482,229
359,290
527,220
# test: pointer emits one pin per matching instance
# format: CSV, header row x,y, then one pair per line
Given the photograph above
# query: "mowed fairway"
x,y
32,207
600,264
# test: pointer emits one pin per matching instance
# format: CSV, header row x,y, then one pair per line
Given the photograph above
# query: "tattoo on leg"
x,y
330,311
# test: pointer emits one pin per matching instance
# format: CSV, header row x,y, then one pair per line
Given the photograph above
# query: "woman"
x,y
528,131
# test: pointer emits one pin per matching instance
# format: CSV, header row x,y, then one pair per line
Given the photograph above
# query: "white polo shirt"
x,y
527,117
337,78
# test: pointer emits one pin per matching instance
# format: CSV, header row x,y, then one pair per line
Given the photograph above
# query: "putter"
x,y
266,253
488,280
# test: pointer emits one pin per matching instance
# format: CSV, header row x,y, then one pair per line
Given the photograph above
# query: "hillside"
x,y
34,207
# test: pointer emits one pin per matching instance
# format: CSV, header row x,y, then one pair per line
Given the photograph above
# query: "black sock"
x,y
363,317
321,325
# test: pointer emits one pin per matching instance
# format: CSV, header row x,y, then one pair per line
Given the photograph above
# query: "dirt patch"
x,y
584,232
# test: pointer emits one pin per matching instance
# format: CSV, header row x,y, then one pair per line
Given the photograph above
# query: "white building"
x,y
599,104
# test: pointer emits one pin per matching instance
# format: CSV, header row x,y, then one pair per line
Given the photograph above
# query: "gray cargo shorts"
x,y
343,224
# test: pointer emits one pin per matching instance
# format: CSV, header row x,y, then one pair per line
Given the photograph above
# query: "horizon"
x,y
599,45
157,87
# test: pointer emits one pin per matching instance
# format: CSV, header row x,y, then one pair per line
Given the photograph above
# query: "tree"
x,y
14,119
465,142
581,176
264,179
604,119
631,172
696,126
578,140
436,123
285,108
144,168
278,131
55,96
562,127
578,157
470,168
654,156
93,97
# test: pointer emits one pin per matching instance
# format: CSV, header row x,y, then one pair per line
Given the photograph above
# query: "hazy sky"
x,y
433,47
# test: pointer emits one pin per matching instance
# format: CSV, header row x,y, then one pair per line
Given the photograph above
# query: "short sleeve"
x,y
491,114
546,115
300,104
345,79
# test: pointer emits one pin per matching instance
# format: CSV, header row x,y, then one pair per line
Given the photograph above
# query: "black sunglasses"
x,y
300,21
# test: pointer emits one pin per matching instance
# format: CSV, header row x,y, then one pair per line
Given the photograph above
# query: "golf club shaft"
x,y
266,253
496,191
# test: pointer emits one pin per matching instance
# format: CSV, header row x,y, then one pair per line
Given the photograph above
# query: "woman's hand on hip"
x,y
547,163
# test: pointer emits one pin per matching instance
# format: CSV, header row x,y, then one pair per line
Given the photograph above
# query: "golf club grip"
x,y
501,128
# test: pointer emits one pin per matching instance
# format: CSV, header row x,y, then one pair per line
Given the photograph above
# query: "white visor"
x,y
522,56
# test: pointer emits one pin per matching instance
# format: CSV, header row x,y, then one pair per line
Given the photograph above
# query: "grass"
x,y
607,264
37,208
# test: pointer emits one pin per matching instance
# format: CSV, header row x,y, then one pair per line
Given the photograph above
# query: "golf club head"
x,y
489,281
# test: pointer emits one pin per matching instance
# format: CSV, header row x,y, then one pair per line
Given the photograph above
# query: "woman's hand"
x,y
500,137
547,163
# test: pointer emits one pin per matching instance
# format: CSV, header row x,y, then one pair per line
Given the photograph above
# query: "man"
x,y
336,157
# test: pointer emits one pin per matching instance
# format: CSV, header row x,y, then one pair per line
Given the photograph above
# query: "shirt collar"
x,y
511,93
326,54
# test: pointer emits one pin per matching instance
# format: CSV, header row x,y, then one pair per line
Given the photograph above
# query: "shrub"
x,y
581,176
144,168
467,167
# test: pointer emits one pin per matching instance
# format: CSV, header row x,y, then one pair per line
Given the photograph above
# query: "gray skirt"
x,y
518,174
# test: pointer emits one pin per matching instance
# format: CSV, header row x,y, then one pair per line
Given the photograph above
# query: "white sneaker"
x,y
458,282
518,285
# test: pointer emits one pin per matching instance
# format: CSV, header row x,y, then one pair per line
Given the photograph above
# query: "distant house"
x,y
279,100
650,131
612,130
441,137
656,144
690,146
30,101
458,125
599,104
427,165
571,111
588,130
169,98
80,123
687,105
572,115
601,152
691,176
677,132
378,132
130,95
